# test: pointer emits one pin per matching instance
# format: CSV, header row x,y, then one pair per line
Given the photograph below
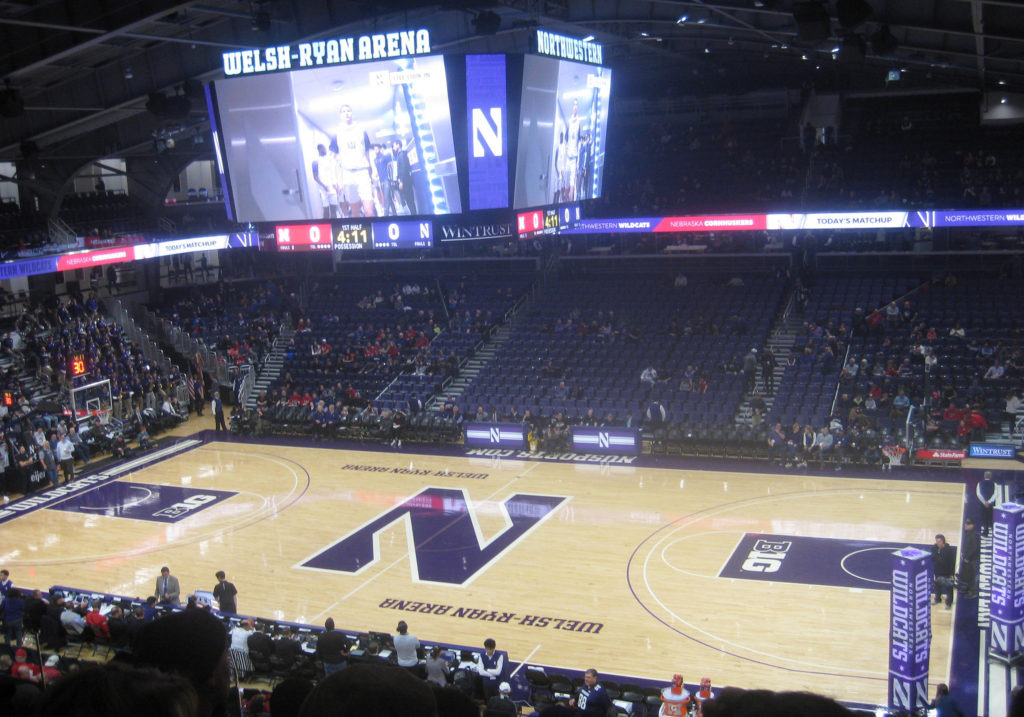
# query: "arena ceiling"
x,y
80,73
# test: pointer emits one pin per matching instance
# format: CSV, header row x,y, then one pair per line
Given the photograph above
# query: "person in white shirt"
x,y
356,172
240,636
406,646
649,375
66,457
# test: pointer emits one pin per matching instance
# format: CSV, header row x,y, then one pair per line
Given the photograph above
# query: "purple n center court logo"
x,y
445,542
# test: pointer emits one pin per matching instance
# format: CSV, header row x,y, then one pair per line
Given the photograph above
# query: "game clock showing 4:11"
x,y
352,235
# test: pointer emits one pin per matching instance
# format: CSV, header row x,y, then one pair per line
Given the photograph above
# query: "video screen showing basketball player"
x,y
272,127
563,120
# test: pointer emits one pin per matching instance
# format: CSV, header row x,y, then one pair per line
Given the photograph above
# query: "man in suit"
x,y
168,591
260,643
218,414
287,648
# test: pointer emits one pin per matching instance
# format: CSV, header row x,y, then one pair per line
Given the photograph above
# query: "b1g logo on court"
x,y
195,502
766,556
144,501
445,542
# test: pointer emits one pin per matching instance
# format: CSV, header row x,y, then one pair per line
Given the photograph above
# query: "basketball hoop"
x,y
102,417
894,454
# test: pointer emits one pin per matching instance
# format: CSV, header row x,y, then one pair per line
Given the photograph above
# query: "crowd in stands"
x,y
39,418
161,659
944,357
240,320
869,353
367,358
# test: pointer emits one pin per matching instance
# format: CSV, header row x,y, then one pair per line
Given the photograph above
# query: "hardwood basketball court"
x,y
751,579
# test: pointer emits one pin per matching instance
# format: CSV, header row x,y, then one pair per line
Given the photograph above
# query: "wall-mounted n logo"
x,y
487,132
445,542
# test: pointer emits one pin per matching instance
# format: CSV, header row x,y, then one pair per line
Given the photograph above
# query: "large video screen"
x,y
563,125
366,140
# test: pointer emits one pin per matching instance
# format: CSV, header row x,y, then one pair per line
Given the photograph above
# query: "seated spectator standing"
x,y
406,646
331,648
491,668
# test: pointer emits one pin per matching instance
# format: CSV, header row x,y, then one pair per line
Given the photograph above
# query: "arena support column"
x,y
1006,639
910,630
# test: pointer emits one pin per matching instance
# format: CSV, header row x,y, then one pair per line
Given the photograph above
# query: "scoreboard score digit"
x,y
537,222
530,224
403,235
303,237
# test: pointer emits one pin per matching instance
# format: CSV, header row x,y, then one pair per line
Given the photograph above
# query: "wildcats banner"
x,y
702,223
1006,639
910,630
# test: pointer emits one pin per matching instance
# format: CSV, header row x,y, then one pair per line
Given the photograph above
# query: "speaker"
x,y
813,24
852,13
883,42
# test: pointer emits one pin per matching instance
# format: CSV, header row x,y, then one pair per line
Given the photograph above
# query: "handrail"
x,y
839,383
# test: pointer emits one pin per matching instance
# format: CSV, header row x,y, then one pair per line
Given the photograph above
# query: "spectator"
x,y
943,565
376,690
502,704
117,690
406,646
191,644
13,610
437,667
591,698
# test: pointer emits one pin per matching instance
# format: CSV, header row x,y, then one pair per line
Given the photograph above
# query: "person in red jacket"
x,y
23,669
97,621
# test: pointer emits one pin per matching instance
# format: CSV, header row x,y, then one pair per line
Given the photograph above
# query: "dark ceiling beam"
x,y
185,40
931,56
978,24
52,26
93,41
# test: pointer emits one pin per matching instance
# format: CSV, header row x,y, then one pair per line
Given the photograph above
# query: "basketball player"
x,y
356,170
325,174
573,149
560,169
